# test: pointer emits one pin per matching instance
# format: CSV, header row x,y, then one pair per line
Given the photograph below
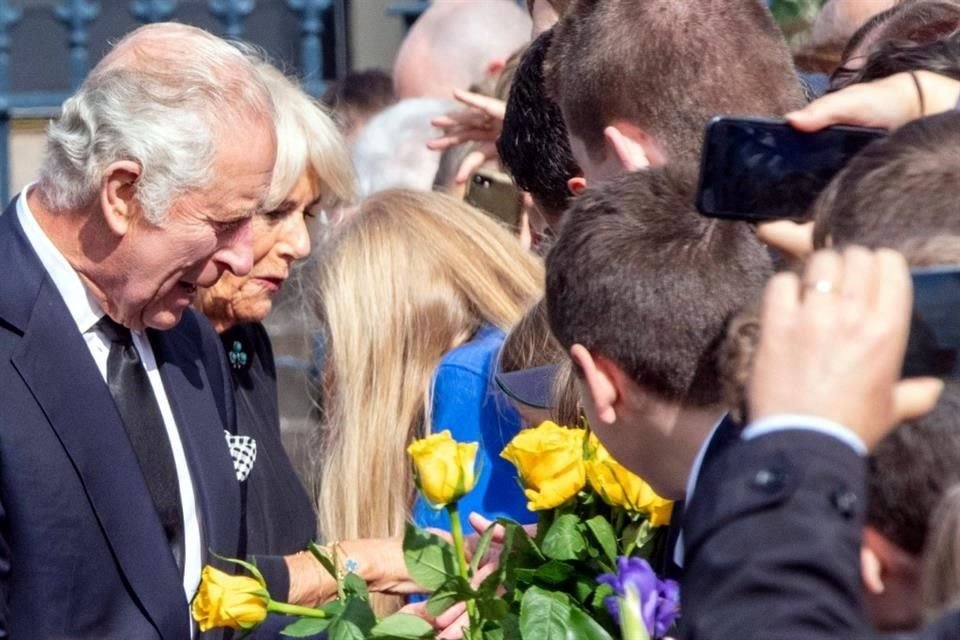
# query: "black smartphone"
x,y
933,348
759,170
495,193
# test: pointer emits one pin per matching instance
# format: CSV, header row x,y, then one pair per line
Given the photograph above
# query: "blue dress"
x,y
467,402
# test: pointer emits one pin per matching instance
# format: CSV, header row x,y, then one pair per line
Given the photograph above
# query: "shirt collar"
x,y
679,548
698,461
83,307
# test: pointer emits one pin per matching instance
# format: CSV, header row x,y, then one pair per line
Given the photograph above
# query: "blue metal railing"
x,y
80,20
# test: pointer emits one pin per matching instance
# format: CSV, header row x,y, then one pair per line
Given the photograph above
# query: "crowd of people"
x,y
501,232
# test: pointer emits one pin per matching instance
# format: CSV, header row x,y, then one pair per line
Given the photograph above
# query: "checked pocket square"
x,y
243,450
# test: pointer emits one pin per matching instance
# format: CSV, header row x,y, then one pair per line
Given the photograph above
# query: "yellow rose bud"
x,y
549,460
224,600
445,468
620,487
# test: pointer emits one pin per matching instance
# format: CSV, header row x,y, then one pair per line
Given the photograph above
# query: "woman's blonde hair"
x,y
307,140
405,280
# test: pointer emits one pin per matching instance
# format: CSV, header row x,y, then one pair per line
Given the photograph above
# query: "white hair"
x,y
161,98
391,151
307,139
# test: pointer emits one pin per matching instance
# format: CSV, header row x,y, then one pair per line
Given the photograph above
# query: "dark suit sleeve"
x,y
773,545
773,542
4,574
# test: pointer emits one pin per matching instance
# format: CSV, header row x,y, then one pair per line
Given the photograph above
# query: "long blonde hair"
x,y
406,279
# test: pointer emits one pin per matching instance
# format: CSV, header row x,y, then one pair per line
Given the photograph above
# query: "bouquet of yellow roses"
x,y
555,582
561,581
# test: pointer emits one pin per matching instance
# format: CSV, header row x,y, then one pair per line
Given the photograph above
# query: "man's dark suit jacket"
x,y
82,550
773,544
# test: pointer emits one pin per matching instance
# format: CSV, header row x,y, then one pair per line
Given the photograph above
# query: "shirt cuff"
x,y
789,422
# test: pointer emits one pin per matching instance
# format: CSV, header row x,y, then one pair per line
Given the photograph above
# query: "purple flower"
x,y
659,600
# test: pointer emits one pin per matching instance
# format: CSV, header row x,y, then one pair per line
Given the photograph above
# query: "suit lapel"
x,y
726,433
53,360
201,430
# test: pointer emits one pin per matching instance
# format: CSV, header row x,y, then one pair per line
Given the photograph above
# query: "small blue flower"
x,y
238,358
351,565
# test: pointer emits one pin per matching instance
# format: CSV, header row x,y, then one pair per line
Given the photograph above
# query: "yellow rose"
x,y
660,511
224,600
621,488
445,468
549,460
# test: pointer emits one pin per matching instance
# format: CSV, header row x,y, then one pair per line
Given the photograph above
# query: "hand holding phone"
x,y
761,170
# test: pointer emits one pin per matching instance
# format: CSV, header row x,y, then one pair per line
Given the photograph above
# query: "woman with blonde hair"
x,y
416,292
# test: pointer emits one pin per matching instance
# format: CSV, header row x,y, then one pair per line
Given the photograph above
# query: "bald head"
x,y
840,19
457,44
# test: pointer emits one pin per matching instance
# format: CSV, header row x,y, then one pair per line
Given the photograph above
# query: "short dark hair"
x,y
533,144
668,66
359,95
911,470
892,36
898,189
941,56
639,277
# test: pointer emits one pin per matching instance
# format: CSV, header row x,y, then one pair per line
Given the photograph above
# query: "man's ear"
x,y
576,184
495,66
599,383
118,191
634,147
871,569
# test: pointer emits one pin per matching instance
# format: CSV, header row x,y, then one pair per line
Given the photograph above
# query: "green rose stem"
x,y
295,610
631,624
456,530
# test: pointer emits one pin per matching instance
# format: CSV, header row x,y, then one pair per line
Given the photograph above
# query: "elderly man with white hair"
x,y
116,480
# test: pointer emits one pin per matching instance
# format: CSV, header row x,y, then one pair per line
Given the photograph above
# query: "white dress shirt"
x,y
678,549
86,312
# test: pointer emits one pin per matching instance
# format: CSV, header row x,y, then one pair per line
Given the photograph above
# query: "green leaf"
x,y
506,629
565,539
356,586
495,609
252,568
492,583
597,601
306,627
544,615
605,536
454,590
325,561
355,623
402,625
345,630
583,627
583,588
440,601
483,545
430,560
554,572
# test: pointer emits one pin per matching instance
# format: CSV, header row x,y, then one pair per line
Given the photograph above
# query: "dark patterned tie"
x,y
141,416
